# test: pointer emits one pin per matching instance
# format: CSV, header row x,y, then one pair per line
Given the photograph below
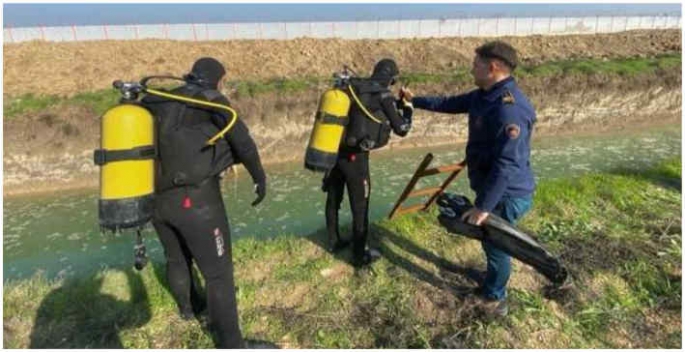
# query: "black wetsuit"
x,y
189,216
352,168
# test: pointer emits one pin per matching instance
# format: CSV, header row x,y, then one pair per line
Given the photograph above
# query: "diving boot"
x,y
338,246
186,313
369,256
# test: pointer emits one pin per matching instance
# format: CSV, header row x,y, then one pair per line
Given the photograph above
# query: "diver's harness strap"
x,y
332,119
342,81
362,107
130,91
104,156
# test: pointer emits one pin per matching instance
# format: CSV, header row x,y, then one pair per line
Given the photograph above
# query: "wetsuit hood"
x,y
206,72
385,72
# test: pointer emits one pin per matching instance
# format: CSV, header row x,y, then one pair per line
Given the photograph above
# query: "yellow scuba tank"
x,y
126,156
329,125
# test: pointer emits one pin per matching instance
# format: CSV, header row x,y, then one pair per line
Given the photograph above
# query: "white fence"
x,y
462,27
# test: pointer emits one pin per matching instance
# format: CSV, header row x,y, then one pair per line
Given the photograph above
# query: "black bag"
x,y
182,131
364,132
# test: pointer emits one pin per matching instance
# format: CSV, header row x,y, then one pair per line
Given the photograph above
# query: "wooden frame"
x,y
434,192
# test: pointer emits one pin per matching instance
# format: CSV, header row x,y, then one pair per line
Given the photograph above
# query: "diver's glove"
x,y
407,110
260,189
253,165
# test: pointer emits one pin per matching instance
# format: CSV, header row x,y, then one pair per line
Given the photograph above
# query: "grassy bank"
x,y
100,101
619,234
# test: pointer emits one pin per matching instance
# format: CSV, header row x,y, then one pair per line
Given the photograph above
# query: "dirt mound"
x,y
69,68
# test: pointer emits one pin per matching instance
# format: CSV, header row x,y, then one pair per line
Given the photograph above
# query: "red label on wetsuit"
x,y
187,203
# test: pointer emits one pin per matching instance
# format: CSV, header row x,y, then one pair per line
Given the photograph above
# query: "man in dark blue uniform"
x,y
501,121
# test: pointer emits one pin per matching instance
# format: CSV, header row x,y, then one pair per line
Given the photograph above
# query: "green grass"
x,y
97,101
623,67
28,103
619,234
100,101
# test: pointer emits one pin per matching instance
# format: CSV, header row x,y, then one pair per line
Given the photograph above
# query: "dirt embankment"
x,y
52,149
69,68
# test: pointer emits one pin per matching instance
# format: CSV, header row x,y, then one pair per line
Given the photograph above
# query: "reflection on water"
x,y
59,234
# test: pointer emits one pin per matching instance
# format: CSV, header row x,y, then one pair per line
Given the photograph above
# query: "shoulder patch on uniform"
x,y
513,130
508,98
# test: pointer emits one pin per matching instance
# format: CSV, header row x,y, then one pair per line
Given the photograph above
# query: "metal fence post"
x,y
516,26
596,24
612,23
73,31
532,25
42,33
378,29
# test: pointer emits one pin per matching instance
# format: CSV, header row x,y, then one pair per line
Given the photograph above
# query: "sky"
x,y
54,14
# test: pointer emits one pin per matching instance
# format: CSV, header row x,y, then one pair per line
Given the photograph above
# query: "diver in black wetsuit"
x,y
352,168
189,215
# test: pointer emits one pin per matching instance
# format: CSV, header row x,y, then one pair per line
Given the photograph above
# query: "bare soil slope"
x,y
52,148
69,68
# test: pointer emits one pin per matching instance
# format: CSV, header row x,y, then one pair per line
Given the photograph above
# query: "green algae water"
x,y
59,234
